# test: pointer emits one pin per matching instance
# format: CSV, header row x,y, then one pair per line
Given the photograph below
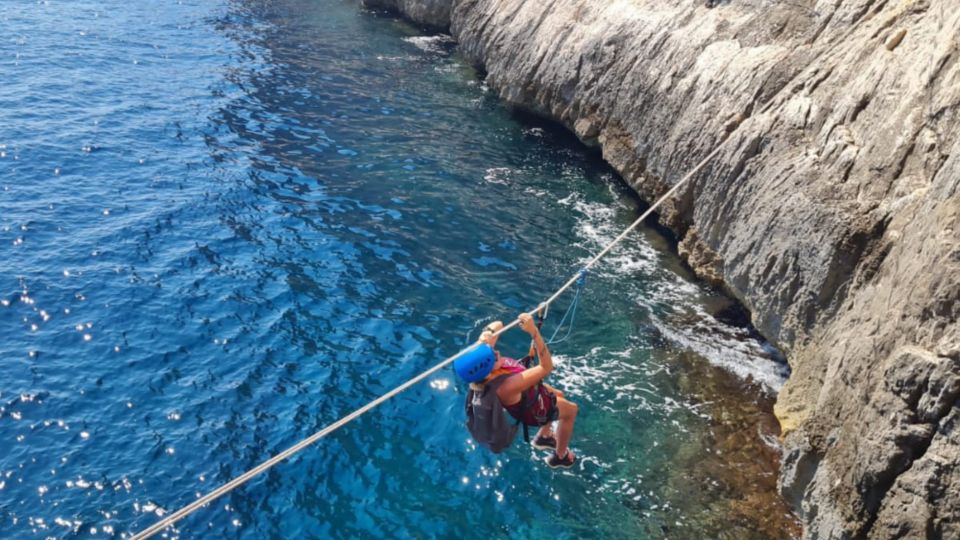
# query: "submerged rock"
x,y
431,13
832,210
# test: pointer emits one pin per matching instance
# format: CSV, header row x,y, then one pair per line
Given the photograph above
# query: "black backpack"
x,y
487,420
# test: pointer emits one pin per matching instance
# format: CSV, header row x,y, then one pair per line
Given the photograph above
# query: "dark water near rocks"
x,y
225,224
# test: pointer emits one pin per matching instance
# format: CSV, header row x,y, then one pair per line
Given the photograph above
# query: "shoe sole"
x,y
560,465
544,447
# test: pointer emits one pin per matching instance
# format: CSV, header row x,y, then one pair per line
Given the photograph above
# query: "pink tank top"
x,y
509,366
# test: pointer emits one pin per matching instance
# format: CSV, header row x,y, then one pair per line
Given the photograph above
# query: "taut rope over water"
x,y
243,478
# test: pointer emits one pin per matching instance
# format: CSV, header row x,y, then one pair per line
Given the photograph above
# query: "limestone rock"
x,y
700,257
895,39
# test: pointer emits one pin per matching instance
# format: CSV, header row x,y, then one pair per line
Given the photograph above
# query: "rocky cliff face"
x,y
832,210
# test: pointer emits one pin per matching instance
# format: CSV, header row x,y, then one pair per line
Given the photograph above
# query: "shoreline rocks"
x,y
832,211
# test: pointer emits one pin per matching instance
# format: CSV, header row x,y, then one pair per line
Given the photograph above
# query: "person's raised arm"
x,y
531,376
539,345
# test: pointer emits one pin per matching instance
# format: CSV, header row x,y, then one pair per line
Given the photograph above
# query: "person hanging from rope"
x,y
521,392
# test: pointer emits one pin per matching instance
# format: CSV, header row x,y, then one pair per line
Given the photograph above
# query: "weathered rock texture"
x,y
832,211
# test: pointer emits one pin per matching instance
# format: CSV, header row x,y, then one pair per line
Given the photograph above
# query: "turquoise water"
x,y
226,224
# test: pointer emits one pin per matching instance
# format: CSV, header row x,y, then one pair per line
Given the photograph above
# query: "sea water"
x,y
225,224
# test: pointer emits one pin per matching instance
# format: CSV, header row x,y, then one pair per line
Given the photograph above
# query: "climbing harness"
x,y
243,478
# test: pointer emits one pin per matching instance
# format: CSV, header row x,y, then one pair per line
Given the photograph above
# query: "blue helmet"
x,y
476,363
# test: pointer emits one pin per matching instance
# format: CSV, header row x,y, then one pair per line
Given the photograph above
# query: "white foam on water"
x,y
498,175
625,385
597,227
438,44
402,58
729,347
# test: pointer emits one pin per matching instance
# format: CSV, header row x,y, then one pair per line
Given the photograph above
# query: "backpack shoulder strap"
x,y
482,389
490,386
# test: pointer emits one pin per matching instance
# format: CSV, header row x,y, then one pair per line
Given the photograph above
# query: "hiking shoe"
x,y
554,461
544,443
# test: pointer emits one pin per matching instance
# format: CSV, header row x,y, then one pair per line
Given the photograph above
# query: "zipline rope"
x,y
243,478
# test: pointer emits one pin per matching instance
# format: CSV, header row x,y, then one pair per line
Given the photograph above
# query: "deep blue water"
x,y
226,224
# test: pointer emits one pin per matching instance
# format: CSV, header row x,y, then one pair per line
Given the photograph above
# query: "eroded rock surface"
x,y
832,210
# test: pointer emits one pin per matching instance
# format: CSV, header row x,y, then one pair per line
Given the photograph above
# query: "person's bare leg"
x,y
568,414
